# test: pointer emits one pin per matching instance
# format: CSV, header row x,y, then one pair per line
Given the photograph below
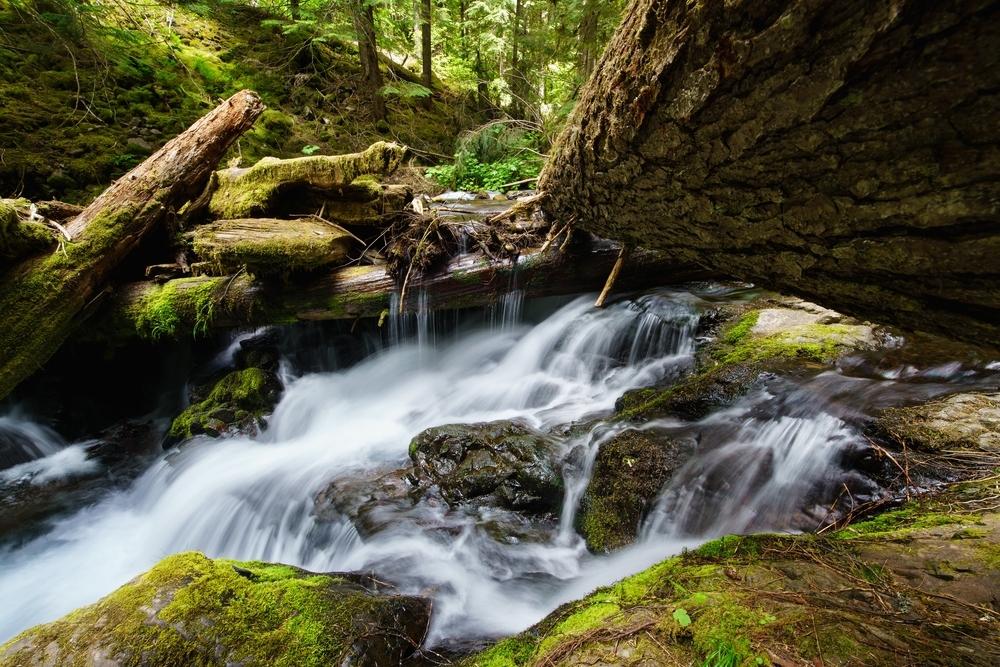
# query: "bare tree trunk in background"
x,y
425,43
587,39
483,102
515,78
293,9
364,26
846,151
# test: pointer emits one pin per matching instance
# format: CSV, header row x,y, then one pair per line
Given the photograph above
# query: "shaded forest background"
x,y
478,88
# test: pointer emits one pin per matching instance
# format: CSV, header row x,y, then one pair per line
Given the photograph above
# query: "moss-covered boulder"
x,y
961,421
743,345
191,610
504,462
236,404
629,471
914,587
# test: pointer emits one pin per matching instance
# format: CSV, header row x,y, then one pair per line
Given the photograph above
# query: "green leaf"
x,y
309,150
700,598
681,616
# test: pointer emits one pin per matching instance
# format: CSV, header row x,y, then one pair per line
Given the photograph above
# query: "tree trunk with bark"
x,y
180,307
425,48
842,150
44,296
364,25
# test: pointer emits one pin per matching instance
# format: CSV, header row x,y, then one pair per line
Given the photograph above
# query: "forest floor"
x,y
86,102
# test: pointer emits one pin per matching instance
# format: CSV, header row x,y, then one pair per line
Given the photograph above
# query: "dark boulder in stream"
x,y
191,610
505,463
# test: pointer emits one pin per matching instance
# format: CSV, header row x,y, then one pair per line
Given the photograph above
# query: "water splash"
x,y
252,500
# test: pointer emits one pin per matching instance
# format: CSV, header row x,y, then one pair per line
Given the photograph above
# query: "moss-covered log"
x,y
43,297
841,150
266,245
20,237
194,304
256,191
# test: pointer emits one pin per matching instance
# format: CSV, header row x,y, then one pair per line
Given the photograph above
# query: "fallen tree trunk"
x,y
42,297
846,151
269,246
255,191
192,305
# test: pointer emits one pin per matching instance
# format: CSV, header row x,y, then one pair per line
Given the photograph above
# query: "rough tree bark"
x,y
195,304
842,150
42,297
425,48
364,25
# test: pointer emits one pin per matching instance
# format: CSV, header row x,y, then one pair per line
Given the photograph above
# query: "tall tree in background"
x,y
363,16
425,46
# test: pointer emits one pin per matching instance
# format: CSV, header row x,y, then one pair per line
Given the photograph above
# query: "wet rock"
x,y
629,471
236,404
372,499
738,346
192,610
505,463
961,421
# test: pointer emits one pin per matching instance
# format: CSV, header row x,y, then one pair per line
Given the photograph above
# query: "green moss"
x,y
466,277
897,523
275,615
511,652
240,396
990,553
17,237
629,471
164,308
741,329
588,617
245,193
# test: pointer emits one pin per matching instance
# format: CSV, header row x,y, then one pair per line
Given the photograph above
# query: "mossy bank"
x,y
191,610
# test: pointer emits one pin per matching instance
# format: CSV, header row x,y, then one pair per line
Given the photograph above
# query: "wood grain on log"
x,y
42,297
847,151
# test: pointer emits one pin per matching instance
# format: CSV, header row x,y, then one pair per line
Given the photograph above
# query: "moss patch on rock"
x,y
730,364
629,471
20,237
238,403
191,610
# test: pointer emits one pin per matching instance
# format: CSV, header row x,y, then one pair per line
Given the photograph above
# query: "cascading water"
x,y
248,499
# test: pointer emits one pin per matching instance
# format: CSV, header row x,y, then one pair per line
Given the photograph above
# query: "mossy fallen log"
x,y
256,191
192,305
20,237
43,297
267,245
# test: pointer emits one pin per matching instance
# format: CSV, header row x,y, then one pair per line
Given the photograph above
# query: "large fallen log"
x,y
266,245
255,191
847,151
41,297
192,305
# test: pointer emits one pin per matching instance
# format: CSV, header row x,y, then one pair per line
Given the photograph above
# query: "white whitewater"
x,y
252,499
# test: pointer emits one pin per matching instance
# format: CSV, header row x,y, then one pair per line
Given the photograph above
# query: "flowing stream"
x,y
755,465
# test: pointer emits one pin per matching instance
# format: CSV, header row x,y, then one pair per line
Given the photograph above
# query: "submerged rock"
x,y
961,421
629,471
191,610
506,463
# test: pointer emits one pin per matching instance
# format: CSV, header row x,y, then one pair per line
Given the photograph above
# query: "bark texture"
x,y
842,150
42,297
192,305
